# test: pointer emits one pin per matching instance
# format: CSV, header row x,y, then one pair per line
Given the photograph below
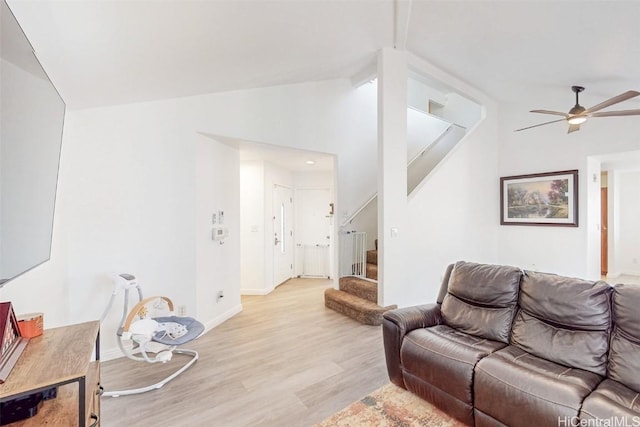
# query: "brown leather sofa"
x,y
503,346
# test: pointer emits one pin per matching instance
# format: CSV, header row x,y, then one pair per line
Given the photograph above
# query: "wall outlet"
x,y
219,296
635,260
182,310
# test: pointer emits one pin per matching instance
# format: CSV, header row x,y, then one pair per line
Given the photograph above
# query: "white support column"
x,y
392,172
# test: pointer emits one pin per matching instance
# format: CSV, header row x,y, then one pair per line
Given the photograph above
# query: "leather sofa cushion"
x,y
564,320
624,360
519,389
578,349
445,358
567,302
624,354
626,305
490,285
480,419
481,299
486,322
612,402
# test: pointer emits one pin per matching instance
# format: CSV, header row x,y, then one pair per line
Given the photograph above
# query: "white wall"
x,y
133,193
252,228
258,180
217,261
456,107
327,116
127,203
393,228
561,250
132,188
451,215
422,130
128,189
419,94
461,110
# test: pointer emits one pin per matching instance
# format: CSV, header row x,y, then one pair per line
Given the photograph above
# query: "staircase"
x,y
358,296
429,140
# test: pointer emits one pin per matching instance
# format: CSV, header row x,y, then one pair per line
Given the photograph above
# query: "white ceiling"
x,y
113,52
286,158
518,52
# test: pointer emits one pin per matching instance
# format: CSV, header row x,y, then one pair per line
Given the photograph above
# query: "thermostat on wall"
x,y
219,233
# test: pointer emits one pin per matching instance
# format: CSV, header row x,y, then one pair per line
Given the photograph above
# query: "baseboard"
x,y
116,353
110,354
222,318
255,291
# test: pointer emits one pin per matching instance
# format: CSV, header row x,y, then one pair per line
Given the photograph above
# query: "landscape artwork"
x,y
540,199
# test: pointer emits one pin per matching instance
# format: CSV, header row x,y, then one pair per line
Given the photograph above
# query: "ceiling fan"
x,y
578,114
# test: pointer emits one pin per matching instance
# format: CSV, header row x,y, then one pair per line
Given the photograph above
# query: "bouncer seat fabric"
x,y
175,330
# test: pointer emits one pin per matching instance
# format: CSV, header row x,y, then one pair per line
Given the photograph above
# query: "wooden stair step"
x,y
372,271
372,257
360,287
362,310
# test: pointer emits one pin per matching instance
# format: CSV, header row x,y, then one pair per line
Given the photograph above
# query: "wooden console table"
x,y
60,357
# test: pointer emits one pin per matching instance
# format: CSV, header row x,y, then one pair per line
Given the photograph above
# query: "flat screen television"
x,y
31,122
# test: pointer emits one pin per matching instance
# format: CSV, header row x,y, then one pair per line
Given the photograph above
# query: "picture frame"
x,y
547,199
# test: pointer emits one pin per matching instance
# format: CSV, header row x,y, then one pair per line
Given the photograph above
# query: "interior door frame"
x,y
604,231
286,241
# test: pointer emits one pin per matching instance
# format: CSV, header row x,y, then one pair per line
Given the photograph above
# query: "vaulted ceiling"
x,y
112,52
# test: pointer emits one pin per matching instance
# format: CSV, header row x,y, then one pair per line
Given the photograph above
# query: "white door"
x,y
313,231
282,234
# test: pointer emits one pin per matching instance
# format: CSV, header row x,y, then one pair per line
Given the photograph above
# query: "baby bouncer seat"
x,y
142,331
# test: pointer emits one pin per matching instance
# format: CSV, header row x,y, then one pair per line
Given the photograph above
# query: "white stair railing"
x,y
353,253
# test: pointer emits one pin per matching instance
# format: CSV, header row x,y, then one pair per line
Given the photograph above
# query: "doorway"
x,y
313,232
604,227
282,234
613,228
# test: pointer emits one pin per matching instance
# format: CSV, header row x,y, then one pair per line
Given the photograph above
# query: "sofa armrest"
x,y
396,324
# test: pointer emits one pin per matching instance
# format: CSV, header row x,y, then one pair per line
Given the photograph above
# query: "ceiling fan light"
x,y
576,120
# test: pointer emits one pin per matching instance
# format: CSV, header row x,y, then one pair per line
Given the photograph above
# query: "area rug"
x,y
390,406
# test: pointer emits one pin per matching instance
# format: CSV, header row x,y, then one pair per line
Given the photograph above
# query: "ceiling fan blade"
x,y
541,124
573,128
616,113
555,113
622,97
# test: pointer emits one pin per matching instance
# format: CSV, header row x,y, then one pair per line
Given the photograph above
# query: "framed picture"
x,y
540,199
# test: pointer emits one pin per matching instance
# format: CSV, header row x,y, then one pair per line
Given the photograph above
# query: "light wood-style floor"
x,y
286,360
